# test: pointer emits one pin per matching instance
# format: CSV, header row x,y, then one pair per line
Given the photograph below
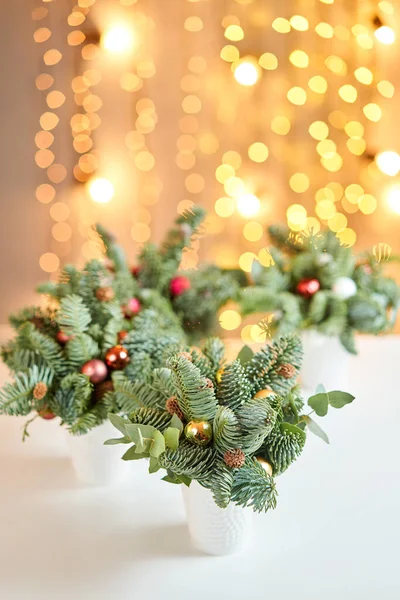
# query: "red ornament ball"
x,y
178,285
308,287
96,370
46,414
131,308
117,358
62,338
122,335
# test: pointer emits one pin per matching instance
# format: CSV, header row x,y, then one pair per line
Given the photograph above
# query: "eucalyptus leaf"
x,y
171,435
171,479
154,465
118,422
131,454
245,355
339,399
114,441
319,403
185,480
157,447
176,423
316,429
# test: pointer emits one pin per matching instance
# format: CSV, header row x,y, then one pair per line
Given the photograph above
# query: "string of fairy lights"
x,y
281,109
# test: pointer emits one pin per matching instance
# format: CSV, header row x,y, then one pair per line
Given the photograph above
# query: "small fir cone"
x,y
38,322
105,294
40,390
287,370
172,406
101,389
186,355
235,459
209,383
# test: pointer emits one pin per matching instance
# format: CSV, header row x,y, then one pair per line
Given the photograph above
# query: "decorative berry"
x,y
308,287
186,355
40,390
178,285
199,432
96,370
46,414
122,335
235,459
263,394
265,465
172,406
105,294
131,308
62,338
286,370
117,358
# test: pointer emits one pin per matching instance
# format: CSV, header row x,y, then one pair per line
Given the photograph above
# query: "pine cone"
x,y
287,370
105,294
234,459
40,390
172,406
101,389
186,355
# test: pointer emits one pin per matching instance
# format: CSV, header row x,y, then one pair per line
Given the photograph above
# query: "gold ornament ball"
x,y
263,394
199,432
265,465
218,376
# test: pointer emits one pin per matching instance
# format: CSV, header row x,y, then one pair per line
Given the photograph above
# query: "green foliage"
x,y
16,398
245,425
284,446
320,256
196,401
264,369
253,487
234,389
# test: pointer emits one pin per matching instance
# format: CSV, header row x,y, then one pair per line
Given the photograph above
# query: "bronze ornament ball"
x,y
117,358
96,370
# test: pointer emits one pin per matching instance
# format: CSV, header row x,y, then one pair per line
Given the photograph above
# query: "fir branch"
x,y
226,430
252,486
196,401
73,316
221,485
235,388
16,398
192,461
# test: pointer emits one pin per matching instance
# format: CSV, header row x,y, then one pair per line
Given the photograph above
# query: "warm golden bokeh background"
x,y
128,111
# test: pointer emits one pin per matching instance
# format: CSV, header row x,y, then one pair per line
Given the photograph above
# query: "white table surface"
x,y
334,536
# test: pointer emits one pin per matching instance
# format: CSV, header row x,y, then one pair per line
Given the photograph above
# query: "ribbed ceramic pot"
x,y
214,530
94,463
325,361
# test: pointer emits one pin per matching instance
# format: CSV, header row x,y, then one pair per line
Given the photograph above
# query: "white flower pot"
x,y
94,463
214,530
325,361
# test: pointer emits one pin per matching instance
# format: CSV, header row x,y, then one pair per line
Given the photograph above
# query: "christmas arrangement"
x,y
315,282
196,295
64,357
231,426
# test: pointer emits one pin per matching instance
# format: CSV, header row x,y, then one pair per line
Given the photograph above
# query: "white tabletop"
x,y
335,533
